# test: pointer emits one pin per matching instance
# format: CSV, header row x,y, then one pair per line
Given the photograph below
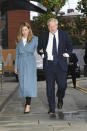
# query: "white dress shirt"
x,y
24,40
50,44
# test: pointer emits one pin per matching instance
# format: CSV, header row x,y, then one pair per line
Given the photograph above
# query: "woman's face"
x,y
25,31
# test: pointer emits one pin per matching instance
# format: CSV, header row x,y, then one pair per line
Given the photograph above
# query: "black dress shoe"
x,y
60,103
51,111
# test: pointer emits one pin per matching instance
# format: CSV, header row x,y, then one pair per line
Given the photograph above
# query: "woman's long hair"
x,y
30,35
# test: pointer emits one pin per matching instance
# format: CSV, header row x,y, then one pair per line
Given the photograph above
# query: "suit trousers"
x,y
53,74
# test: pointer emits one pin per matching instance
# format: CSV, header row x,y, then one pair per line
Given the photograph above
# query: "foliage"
x,y
77,27
81,28
82,6
52,6
81,23
55,5
42,20
75,40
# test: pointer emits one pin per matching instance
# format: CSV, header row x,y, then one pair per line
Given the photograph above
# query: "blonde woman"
x,y
25,64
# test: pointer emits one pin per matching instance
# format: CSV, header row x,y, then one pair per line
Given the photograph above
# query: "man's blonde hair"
x,y
52,20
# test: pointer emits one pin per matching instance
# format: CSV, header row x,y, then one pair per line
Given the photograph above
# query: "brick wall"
x,y
14,20
2,25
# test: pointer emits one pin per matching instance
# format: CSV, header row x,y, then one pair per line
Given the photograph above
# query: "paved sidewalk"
x,y
67,119
9,86
81,83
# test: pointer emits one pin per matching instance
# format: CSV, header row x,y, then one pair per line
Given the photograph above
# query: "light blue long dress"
x,y
26,64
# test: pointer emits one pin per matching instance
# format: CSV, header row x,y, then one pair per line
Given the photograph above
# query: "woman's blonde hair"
x,y
30,35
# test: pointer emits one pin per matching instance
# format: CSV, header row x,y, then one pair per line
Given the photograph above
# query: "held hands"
x,y
70,63
41,51
15,70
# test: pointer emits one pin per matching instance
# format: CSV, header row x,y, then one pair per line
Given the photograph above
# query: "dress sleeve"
x,y
16,57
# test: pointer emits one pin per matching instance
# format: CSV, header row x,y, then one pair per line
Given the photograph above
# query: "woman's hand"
x,y
15,70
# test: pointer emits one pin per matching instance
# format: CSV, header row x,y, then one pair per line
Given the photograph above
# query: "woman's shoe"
x,y
27,112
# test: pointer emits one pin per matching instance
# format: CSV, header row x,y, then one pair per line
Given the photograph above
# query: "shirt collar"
x,y
56,33
24,39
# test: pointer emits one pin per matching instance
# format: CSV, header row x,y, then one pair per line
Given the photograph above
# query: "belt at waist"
x,y
29,54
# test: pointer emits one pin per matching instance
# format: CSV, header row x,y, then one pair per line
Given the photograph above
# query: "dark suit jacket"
x,y
65,46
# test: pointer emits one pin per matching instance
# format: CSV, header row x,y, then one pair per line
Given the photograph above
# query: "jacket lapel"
x,y
60,39
47,37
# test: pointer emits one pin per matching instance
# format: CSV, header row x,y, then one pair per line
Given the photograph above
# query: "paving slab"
x,y
9,86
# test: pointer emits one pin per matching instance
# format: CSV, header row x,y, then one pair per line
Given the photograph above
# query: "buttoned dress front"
x,y
25,63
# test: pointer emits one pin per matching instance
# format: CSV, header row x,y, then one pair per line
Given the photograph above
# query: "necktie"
x,y
54,51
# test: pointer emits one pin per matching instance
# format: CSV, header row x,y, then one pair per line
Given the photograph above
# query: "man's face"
x,y
52,27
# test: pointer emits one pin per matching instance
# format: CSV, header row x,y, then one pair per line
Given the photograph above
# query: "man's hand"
x,y
65,54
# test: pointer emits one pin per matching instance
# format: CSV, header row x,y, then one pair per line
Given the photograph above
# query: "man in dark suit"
x,y
72,67
55,46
